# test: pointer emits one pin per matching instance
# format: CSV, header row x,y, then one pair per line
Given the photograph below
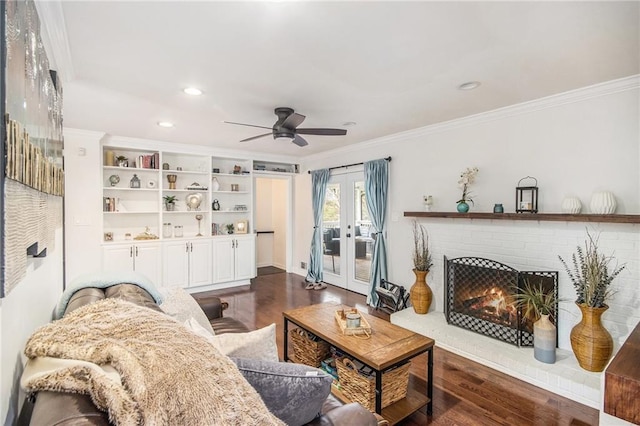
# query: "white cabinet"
x,y
143,258
186,263
234,258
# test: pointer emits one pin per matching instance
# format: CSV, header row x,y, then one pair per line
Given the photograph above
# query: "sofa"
x,y
48,407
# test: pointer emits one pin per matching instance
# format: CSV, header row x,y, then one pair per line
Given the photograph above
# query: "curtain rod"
x,y
351,165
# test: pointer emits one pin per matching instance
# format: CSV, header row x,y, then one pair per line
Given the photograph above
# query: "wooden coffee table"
x,y
388,347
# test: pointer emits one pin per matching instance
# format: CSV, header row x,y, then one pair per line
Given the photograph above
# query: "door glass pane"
x,y
331,229
362,234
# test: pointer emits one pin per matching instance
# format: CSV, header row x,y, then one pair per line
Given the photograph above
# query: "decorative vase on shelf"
x,y
544,340
603,202
591,342
571,205
420,293
215,185
463,207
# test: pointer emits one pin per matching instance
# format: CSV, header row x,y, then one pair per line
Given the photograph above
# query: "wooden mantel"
x,y
622,381
549,217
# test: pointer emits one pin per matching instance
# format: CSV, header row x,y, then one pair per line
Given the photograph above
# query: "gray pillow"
x,y
292,392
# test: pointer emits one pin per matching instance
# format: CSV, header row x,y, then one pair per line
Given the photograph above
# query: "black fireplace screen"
x,y
479,296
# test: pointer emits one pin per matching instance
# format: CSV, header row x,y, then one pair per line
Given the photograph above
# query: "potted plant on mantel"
x,y
420,293
591,342
169,202
538,306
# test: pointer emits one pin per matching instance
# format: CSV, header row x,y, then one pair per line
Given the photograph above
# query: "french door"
x,y
346,241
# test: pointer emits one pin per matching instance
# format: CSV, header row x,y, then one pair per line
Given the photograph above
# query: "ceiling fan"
x,y
286,128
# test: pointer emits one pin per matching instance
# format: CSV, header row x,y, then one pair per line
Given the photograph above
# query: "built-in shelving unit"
x,y
549,217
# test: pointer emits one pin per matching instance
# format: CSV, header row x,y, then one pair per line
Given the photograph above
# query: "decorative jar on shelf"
x,y
603,202
498,208
463,207
571,205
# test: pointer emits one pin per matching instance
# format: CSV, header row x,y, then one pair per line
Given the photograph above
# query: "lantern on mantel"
x,y
527,195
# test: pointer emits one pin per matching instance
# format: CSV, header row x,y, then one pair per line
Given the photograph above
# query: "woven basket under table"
x,y
306,350
362,389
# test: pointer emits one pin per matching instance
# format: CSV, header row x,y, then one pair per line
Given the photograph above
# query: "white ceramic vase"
x,y
215,185
571,205
603,202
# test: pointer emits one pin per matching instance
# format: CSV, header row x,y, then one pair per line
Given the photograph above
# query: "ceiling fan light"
x,y
282,138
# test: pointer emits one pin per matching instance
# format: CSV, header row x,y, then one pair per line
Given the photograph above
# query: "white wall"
x,y
264,221
29,306
279,219
271,215
83,219
574,143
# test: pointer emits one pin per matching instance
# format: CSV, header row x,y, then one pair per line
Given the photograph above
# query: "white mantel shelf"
x,y
548,217
564,378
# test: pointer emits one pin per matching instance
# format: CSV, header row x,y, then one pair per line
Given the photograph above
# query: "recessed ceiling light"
x,y
165,124
469,85
194,91
349,123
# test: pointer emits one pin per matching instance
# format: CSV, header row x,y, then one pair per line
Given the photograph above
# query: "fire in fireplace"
x,y
480,294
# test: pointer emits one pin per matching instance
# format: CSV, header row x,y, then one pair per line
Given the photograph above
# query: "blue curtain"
x,y
319,180
376,185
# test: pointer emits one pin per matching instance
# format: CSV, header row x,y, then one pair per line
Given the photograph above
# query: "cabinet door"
x,y
245,257
175,264
147,261
223,259
117,258
200,261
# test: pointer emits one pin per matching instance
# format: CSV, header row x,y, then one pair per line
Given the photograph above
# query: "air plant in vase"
x,y
420,293
466,179
538,305
591,277
169,202
535,301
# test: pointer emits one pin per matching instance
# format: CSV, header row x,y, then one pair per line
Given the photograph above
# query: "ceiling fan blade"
x,y
325,132
298,140
249,125
293,120
256,137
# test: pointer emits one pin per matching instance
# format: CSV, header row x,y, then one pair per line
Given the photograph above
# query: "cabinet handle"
x,y
186,247
191,247
236,243
136,251
131,251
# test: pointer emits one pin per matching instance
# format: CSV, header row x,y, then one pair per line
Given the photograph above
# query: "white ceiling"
x,y
388,66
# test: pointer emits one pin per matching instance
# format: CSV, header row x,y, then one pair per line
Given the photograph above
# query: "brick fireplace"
x,y
527,246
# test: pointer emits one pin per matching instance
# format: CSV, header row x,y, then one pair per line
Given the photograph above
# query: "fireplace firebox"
x,y
480,296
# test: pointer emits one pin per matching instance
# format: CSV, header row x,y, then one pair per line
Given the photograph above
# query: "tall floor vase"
x,y
420,293
591,342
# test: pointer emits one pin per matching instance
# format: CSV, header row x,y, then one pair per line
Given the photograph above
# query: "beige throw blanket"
x,y
169,375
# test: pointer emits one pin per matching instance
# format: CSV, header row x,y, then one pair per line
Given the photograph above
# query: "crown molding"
x,y
553,101
54,35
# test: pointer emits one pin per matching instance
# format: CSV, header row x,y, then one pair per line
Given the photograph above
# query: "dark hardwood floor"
x,y
465,393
